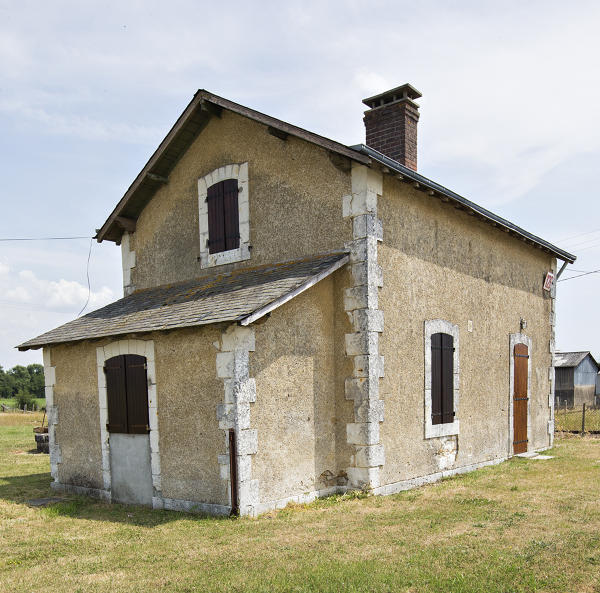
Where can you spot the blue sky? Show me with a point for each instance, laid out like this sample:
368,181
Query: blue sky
509,119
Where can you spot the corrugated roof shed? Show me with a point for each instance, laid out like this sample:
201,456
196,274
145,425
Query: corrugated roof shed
570,359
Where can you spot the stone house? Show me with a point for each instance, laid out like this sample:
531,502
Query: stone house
268,273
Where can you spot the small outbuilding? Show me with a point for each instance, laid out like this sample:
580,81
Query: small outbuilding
575,376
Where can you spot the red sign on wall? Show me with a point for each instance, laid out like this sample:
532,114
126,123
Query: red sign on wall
549,281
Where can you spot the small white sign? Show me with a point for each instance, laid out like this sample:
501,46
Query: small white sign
549,281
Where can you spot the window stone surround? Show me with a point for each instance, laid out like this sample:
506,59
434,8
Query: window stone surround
233,171
431,327
103,353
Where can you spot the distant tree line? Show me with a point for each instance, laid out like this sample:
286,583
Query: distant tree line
22,381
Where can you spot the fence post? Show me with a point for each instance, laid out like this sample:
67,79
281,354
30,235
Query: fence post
583,421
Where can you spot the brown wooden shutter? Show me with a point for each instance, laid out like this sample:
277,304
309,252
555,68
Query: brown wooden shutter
447,378
137,394
114,369
442,378
216,221
436,379
231,214
521,356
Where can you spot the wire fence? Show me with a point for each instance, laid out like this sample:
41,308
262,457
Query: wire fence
584,418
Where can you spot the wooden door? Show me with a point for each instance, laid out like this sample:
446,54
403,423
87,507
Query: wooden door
520,399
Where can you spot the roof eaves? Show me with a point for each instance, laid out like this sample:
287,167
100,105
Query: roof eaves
262,311
436,188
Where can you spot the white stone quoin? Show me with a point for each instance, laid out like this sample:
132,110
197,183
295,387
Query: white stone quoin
361,303
234,413
128,263
52,413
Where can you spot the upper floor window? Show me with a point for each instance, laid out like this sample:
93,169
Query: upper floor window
441,378
224,216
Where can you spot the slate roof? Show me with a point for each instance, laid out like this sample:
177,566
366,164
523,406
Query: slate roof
569,359
227,297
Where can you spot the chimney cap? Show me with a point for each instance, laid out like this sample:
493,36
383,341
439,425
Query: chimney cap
405,92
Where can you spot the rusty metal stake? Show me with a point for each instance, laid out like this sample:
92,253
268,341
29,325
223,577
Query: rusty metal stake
233,478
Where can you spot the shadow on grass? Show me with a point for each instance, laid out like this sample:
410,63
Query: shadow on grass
20,489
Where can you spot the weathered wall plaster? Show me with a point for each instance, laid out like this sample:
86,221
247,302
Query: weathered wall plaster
295,367
440,263
294,203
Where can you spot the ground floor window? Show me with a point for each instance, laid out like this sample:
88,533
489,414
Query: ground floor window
441,378
127,394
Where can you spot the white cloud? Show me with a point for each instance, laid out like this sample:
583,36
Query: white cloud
60,295
30,306
80,126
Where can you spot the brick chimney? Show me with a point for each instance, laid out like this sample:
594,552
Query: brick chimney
391,124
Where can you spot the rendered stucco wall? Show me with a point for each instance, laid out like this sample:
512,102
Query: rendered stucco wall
188,394
439,263
294,366
78,425
294,193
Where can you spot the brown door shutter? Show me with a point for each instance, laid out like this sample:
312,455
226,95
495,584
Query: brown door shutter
137,394
116,394
521,356
216,222
447,373
231,214
436,379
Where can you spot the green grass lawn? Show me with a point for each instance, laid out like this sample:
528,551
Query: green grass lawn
524,525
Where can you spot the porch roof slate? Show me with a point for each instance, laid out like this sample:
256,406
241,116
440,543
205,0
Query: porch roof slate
227,297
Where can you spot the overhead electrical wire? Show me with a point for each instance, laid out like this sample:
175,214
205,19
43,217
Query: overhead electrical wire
584,242
44,238
87,271
565,239
579,276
